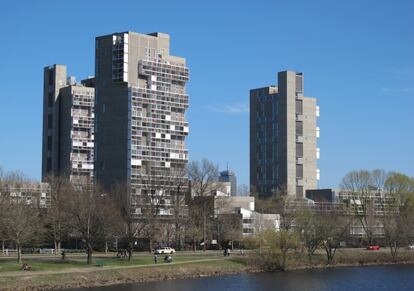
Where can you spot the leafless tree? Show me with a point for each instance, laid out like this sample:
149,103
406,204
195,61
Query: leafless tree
84,213
20,219
309,227
229,228
55,217
358,186
127,228
203,176
178,182
333,229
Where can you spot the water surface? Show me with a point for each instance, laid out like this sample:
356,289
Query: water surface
379,278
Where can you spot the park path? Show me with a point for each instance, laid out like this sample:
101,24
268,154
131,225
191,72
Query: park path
97,269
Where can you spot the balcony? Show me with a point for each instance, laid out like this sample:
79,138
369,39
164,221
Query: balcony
299,117
299,138
299,182
299,160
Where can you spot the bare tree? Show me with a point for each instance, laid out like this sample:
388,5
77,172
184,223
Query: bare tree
308,226
20,219
229,228
333,229
127,227
55,217
178,182
84,213
203,176
358,186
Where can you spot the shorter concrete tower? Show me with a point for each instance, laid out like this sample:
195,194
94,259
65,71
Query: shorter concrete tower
283,137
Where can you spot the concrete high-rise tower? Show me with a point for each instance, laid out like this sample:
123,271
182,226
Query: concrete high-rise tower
68,126
283,137
140,114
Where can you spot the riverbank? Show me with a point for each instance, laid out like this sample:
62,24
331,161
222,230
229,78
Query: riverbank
185,266
112,275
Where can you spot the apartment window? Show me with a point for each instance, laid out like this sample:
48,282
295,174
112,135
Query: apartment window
50,99
299,128
299,83
299,107
299,149
49,165
299,171
50,121
51,77
49,143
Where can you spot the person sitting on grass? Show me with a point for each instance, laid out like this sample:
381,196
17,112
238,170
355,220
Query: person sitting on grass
26,267
168,259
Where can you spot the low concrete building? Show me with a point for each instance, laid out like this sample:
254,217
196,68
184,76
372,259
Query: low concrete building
33,193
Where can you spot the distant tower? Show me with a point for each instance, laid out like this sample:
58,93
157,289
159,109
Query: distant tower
283,137
229,176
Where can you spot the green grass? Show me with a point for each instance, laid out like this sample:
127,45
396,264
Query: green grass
48,263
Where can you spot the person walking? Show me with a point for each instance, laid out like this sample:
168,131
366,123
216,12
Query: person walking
155,258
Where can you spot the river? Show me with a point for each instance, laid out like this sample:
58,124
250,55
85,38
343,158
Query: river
378,278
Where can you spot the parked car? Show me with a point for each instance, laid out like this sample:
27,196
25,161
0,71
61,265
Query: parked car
373,248
411,247
164,250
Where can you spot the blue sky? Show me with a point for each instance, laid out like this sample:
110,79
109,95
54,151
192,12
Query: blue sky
357,58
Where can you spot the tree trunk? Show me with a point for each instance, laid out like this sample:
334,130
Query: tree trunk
150,245
194,245
106,247
2,247
130,249
204,233
89,253
19,254
284,253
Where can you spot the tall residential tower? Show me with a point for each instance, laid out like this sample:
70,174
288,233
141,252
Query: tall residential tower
140,106
283,137
68,126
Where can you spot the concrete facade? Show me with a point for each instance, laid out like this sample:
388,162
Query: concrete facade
283,137
68,127
140,114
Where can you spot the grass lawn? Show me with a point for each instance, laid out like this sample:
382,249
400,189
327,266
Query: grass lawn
55,263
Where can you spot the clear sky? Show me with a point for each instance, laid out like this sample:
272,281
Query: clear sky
357,58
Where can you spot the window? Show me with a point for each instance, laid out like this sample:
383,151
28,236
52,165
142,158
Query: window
299,107
299,171
299,83
50,99
51,77
299,149
50,121
49,143
299,128
49,165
